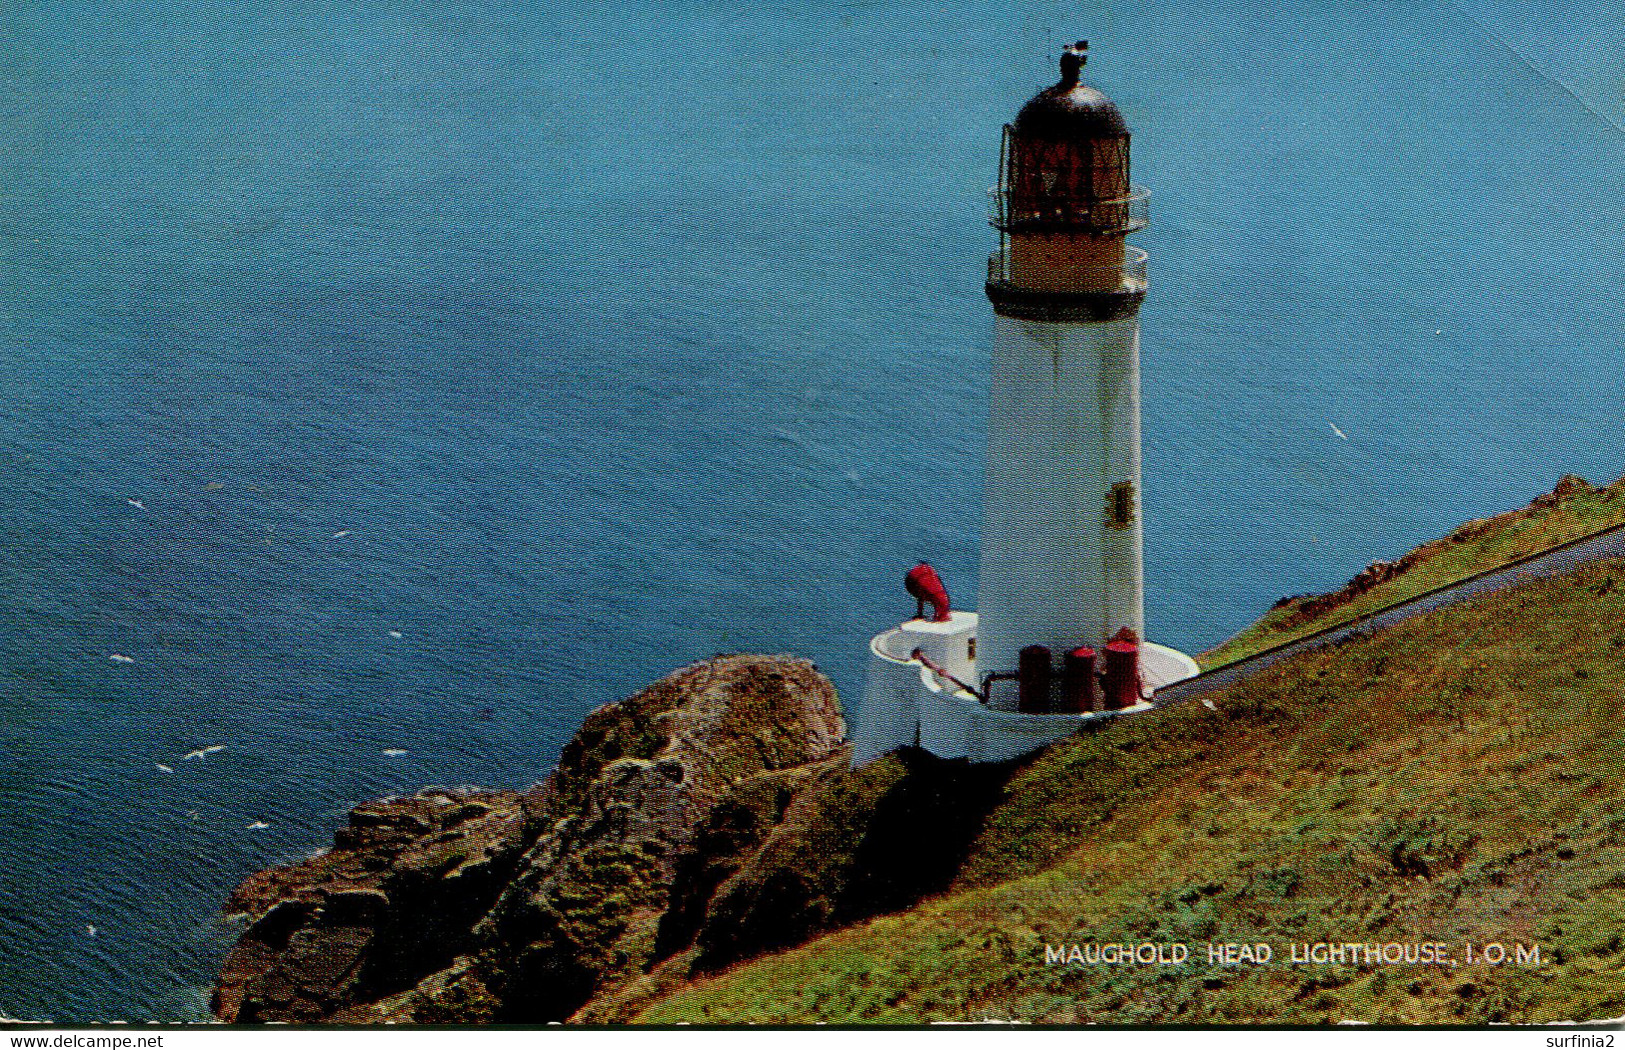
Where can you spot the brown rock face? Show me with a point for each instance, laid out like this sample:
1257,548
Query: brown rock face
520,907
394,900
634,785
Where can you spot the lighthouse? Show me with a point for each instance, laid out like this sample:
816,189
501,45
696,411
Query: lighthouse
1061,541
1058,636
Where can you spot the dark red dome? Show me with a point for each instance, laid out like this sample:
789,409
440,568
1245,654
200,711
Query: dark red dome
1070,109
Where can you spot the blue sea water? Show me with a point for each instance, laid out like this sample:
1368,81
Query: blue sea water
612,336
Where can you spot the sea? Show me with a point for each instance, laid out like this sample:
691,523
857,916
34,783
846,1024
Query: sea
384,386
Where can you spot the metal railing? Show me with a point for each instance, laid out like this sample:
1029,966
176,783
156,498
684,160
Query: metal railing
1127,276
942,673
1008,210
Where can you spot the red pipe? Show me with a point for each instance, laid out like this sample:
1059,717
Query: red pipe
942,672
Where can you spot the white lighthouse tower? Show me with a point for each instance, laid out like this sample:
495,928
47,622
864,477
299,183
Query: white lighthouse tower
1058,636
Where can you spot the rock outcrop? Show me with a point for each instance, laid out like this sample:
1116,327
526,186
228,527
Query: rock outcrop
521,907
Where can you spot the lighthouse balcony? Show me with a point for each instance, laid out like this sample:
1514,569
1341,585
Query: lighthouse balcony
1023,212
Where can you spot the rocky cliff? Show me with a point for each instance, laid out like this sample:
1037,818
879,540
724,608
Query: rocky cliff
478,906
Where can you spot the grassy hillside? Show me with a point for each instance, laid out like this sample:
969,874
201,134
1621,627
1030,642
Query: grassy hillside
1455,779
1570,511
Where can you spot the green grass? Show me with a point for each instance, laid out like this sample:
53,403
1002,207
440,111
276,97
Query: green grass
1473,548
1458,778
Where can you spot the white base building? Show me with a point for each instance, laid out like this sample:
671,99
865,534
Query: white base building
905,703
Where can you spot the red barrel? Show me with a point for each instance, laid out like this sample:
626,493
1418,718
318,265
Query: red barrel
1034,679
1122,682
1079,690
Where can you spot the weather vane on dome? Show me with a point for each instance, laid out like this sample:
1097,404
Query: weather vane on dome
1073,58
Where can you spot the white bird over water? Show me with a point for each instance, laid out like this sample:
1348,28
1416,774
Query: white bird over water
394,752
1339,433
137,504
120,658
396,634
90,929
341,534
164,768
258,825
203,751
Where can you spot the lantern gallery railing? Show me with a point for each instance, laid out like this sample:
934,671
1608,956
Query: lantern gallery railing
1014,210
1127,276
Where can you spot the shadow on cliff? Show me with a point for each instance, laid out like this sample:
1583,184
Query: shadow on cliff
861,843
775,866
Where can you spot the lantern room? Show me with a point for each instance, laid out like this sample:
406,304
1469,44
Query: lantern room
1064,202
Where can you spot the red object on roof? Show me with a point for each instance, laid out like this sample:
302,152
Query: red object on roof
925,585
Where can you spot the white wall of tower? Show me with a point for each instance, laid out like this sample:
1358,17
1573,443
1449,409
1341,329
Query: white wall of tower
1065,429
1122,548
